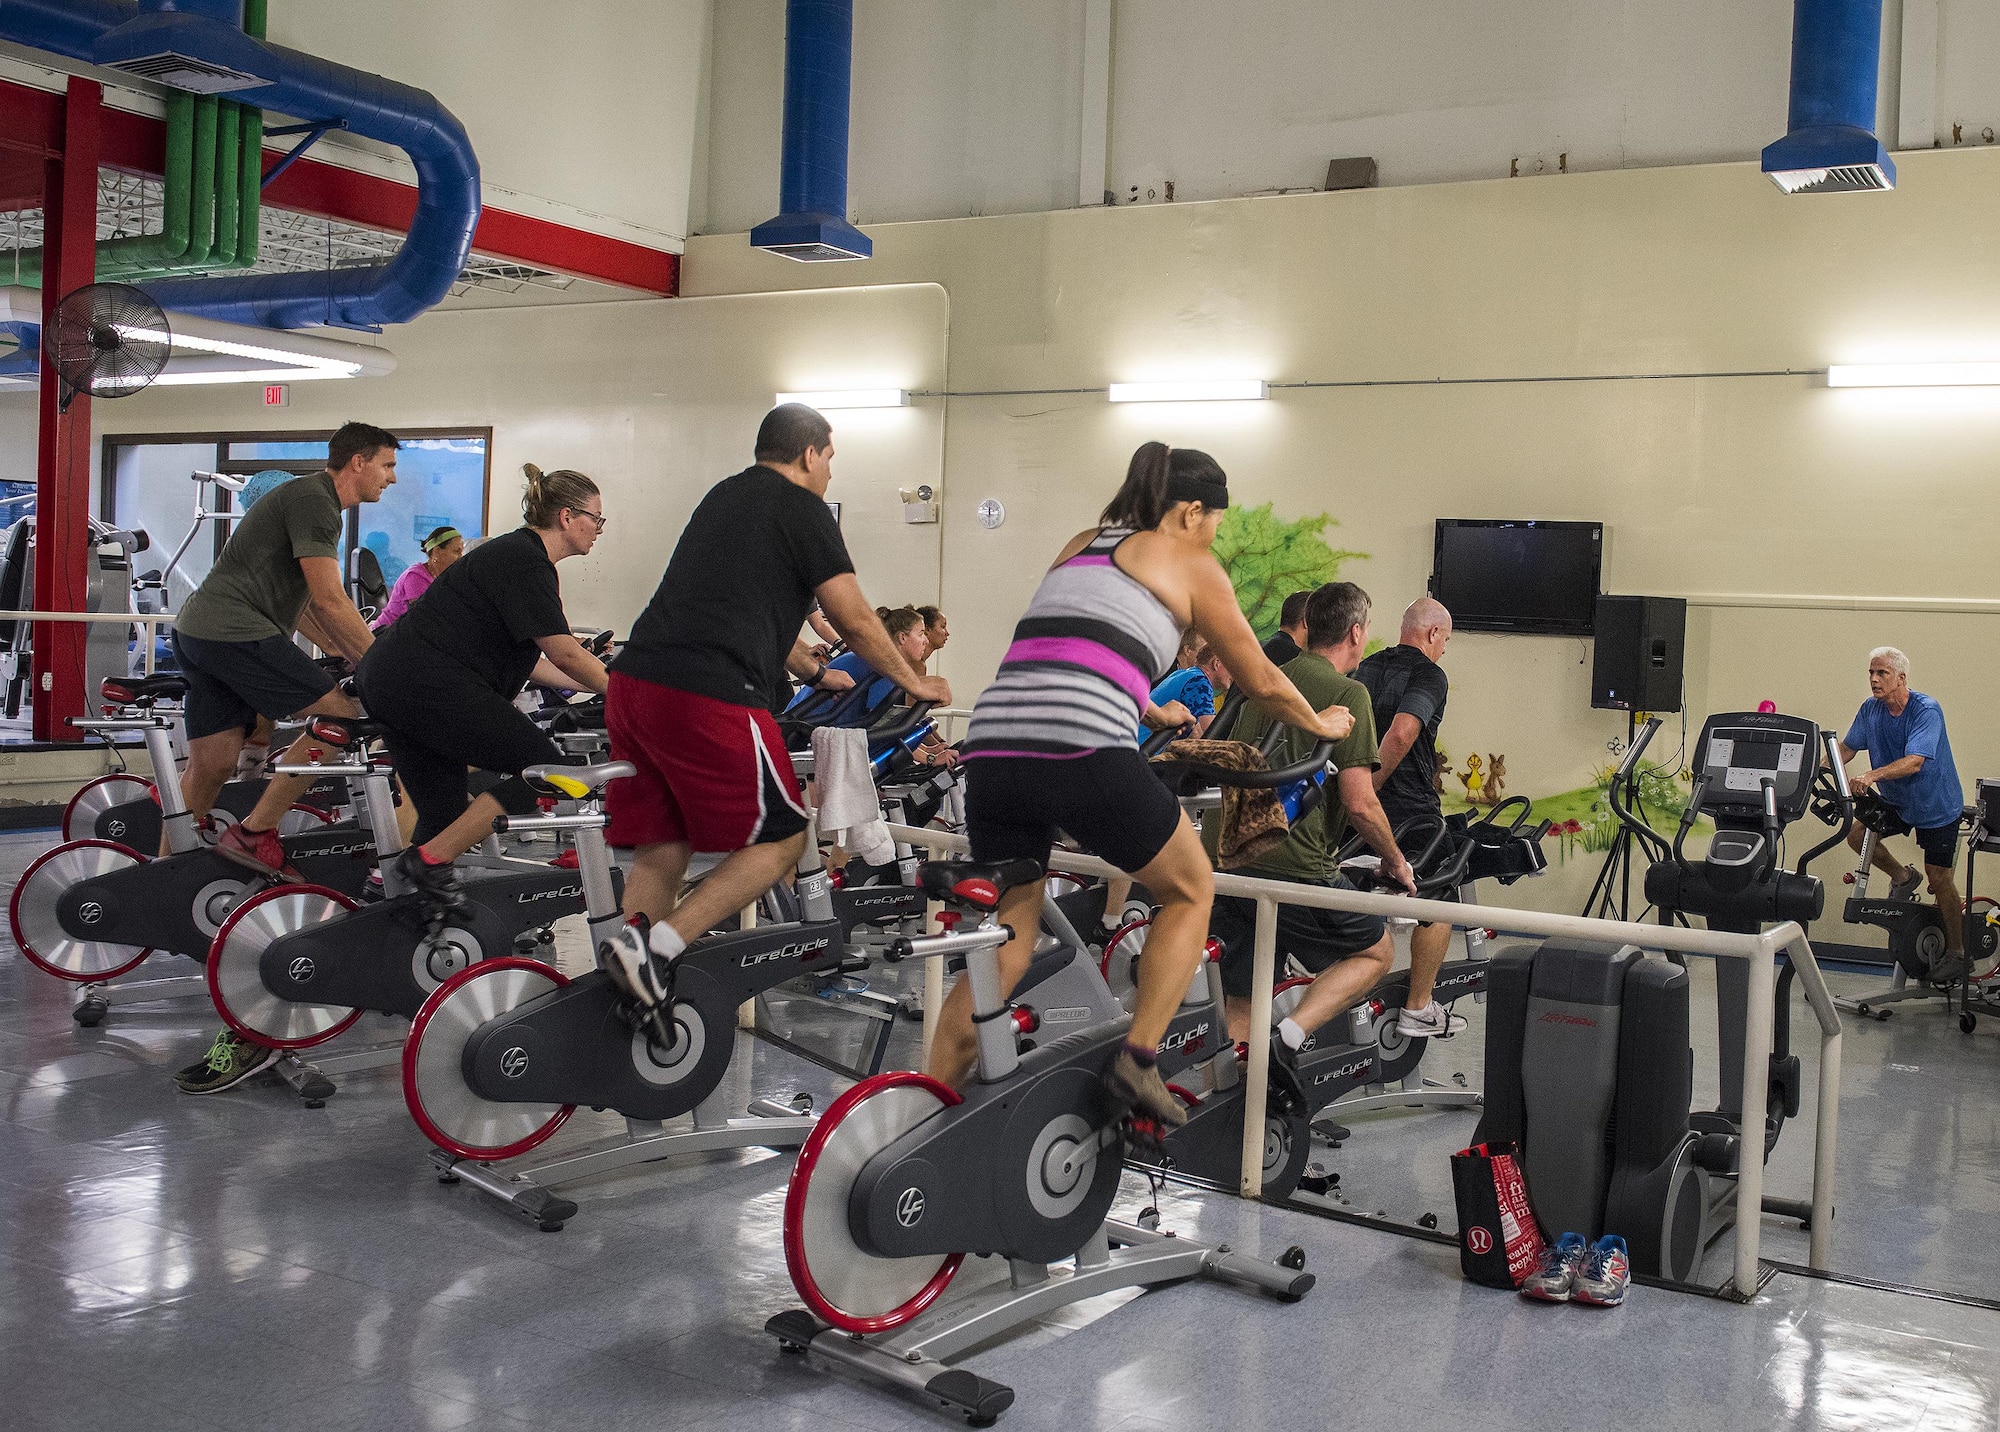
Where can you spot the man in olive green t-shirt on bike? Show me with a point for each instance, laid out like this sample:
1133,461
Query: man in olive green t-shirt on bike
1347,952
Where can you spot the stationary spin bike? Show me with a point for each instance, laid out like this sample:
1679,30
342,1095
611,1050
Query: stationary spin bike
504,1052
905,1176
1915,927
90,910
296,966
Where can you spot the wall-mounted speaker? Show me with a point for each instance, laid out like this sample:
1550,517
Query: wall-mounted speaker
1637,664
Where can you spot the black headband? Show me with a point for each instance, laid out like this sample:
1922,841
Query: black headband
1212,495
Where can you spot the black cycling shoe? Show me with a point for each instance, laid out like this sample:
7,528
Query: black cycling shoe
438,884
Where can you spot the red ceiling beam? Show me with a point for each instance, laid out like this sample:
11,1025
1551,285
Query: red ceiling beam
138,144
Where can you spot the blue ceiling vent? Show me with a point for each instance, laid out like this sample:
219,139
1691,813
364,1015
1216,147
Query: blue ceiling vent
812,223
1831,147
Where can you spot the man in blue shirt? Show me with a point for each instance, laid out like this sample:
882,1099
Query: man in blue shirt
1195,685
1911,770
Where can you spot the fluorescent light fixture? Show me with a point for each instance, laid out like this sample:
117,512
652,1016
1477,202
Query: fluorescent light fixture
1214,390
830,398
1912,375
329,367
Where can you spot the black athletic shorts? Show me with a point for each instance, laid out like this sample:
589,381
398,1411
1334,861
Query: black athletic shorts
438,728
1939,843
1109,802
1315,938
232,683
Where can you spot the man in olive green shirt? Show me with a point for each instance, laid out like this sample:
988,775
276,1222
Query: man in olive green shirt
279,573
1347,952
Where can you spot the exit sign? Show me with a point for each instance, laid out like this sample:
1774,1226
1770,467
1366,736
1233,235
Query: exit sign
277,395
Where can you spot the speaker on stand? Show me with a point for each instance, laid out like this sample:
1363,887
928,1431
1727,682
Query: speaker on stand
1636,666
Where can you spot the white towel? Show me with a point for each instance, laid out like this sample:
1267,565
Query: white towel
850,812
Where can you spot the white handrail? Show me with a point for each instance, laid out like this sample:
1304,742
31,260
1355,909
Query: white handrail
150,619
1760,950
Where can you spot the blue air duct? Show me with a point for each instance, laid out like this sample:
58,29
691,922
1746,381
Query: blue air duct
1831,147
812,181
26,360
194,44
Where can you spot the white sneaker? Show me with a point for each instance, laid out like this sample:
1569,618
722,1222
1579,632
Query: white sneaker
1906,889
1433,1021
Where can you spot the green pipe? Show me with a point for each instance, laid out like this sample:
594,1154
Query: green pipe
250,175
213,201
250,169
228,186
148,250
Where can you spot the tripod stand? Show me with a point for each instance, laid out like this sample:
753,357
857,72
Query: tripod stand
1611,896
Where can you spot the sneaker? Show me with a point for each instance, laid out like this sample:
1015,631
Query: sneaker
1141,1087
229,1061
1555,1274
1906,888
1947,969
438,884
260,851
1433,1021
626,958
1605,1274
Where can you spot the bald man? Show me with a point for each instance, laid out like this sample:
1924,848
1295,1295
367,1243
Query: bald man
1408,689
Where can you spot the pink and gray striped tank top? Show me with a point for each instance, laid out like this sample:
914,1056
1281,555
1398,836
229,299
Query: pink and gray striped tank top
1084,659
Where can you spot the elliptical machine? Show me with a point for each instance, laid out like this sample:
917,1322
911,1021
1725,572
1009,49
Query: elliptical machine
904,1177
1588,1064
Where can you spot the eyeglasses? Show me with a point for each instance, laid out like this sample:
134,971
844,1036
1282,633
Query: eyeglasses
596,517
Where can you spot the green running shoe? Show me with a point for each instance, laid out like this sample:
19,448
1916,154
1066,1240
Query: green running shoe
229,1061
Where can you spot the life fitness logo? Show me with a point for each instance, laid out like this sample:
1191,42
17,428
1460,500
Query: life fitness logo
301,970
1479,1240
514,1062
90,912
910,1207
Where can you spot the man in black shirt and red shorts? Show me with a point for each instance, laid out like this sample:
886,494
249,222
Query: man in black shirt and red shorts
1408,689
688,693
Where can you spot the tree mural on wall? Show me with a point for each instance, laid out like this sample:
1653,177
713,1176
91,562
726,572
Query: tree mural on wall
1268,559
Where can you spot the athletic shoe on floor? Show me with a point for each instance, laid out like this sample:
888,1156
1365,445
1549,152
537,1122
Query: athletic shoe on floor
1433,1021
1906,888
1555,1274
438,884
1141,1087
1605,1274
229,1061
626,958
260,851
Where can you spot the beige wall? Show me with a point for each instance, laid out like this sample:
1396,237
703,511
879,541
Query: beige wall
657,400
1806,524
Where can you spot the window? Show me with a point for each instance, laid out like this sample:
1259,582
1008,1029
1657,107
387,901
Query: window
441,480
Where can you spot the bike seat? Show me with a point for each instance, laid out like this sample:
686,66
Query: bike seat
123,690
576,782
344,731
976,885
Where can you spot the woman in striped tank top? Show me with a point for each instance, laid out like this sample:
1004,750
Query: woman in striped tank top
1050,744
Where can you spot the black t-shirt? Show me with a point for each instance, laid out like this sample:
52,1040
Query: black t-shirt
737,590
1403,681
1281,648
483,614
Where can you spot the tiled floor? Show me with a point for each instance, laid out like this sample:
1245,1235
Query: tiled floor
173,1263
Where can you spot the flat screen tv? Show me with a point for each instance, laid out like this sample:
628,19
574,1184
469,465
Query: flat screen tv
1536,578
